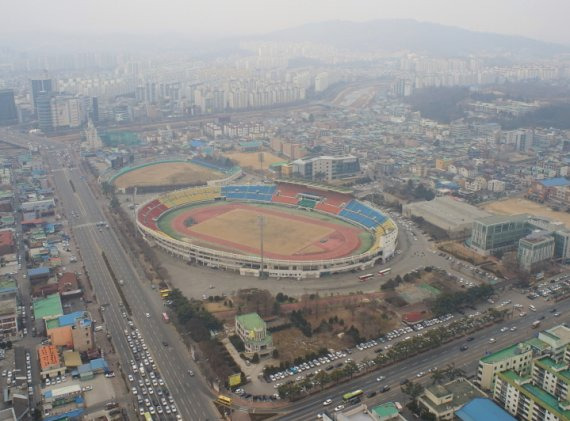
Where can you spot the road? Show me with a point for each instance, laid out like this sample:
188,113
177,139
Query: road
440,357
191,395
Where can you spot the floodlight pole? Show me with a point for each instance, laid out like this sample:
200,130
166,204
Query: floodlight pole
261,221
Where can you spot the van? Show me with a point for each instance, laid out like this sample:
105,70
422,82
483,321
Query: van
98,328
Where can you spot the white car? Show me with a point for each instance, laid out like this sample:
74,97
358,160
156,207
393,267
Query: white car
379,379
327,402
147,315
131,378
339,408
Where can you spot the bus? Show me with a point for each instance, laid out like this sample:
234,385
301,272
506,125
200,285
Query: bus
224,400
165,317
351,395
147,416
165,293
384,271
365,277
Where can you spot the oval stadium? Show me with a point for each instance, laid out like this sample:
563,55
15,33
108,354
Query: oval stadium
290,229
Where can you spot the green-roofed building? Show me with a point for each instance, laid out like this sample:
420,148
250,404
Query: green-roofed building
253,332
48,308
8,288
524,398
386,411
516,357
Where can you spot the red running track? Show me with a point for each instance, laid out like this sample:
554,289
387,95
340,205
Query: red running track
342,242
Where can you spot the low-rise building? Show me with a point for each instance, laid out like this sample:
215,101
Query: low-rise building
253,332
50,364
443,400
8,317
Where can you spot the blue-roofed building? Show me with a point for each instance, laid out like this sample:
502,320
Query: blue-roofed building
483,409
547,187
38,274
554,182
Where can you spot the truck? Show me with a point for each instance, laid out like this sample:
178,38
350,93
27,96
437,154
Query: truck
535,324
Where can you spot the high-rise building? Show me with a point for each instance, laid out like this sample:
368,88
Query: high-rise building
8,112
41,86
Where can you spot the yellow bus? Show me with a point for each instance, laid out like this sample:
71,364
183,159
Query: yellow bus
147,416
165,293
224,400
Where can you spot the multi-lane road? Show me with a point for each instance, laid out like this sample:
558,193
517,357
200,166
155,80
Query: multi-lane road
440,357
191,394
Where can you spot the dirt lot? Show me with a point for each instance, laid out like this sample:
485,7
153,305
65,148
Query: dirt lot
251,159
167,173
291,343
515,206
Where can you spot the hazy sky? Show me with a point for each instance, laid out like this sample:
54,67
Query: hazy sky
541,19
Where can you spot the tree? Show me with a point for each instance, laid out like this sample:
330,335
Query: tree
350,368
437,376
115,203
322,378
255,358
413,390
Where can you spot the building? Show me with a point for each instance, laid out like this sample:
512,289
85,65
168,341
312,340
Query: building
453,216
253,332
535,248
326,168
498,233
546,188
552,342
515,357
61,111
6,242
443,400
82,334
526,397
40,87
8,317
48,308
8,111
482,409
496,186
389,411
50,365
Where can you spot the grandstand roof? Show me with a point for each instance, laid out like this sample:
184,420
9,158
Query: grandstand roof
327,187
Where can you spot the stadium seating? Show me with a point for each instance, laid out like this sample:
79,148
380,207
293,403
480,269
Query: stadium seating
362,214
259,193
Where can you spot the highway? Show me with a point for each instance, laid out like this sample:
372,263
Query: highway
191,394
449,353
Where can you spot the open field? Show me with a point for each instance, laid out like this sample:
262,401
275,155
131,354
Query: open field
251,159
516,206
287,235
161,174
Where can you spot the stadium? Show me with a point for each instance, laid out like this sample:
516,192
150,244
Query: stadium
287,229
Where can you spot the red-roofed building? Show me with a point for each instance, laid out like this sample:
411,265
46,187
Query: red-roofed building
68,285
6,242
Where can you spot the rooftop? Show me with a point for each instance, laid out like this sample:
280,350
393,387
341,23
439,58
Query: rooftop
387,409
555,182
501,219
8,306
546,399
447,211
559,333
251,321
7,285
505,353
483,409
463,391
48,356
48,307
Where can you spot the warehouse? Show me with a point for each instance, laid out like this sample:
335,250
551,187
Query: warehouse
447,213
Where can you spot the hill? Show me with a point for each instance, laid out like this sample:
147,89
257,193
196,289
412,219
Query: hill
406,34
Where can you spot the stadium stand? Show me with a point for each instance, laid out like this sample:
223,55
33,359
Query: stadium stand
362,214
249,192
307,203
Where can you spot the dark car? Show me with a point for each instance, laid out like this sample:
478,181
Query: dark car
371,394
405,381
384,389
471,338
463,348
